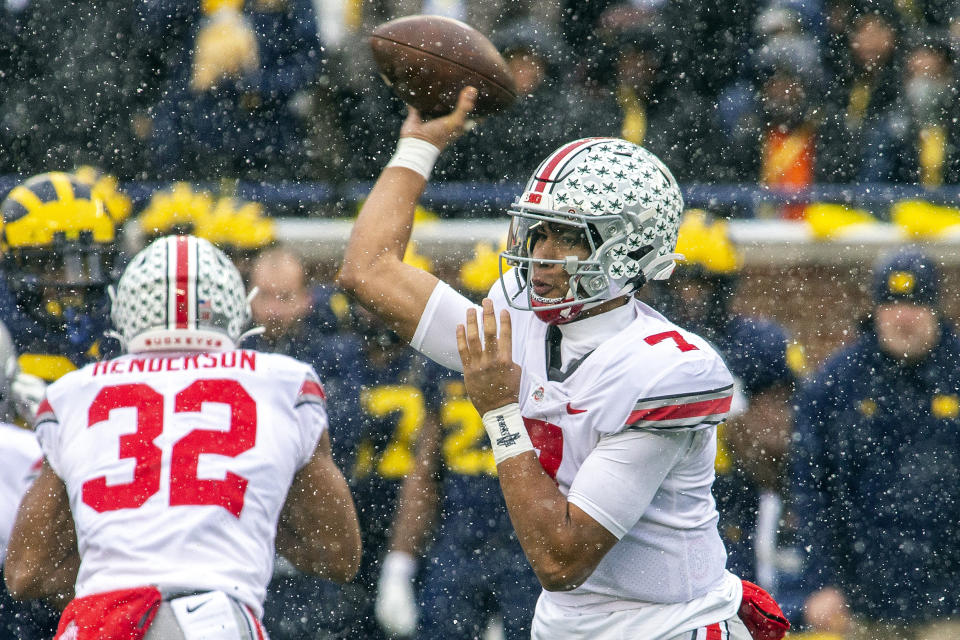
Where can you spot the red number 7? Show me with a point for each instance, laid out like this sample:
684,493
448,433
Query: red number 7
682,344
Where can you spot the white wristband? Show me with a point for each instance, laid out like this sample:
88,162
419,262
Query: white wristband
507,433
415,154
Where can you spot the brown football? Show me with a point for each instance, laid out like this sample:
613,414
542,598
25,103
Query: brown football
427,60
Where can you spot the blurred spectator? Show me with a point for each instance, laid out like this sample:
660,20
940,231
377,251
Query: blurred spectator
475,571
917,142
923,14
640,98
546,113
774,141
876,468
369,115
231,106
298,323
753,443
860,96
711,40
302,323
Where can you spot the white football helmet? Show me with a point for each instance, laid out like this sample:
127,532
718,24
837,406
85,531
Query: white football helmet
181,293
628,206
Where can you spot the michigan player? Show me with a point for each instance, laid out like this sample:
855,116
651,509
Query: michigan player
766,364
474,574
391,392
59,249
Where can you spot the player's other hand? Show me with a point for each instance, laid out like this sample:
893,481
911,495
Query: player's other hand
396,605
27,391
443,130
490,375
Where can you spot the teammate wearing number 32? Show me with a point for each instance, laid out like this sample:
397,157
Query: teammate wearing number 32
601,413
179,465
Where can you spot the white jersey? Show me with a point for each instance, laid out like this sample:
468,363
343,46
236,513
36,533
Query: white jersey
177,465
22,459
628,431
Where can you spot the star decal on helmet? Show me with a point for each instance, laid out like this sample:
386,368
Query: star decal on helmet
626,199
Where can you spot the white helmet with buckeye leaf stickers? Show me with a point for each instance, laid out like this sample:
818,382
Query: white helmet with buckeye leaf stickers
627,205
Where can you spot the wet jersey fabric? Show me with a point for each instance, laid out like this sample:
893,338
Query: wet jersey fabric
22,459
876,475
653,379
177,465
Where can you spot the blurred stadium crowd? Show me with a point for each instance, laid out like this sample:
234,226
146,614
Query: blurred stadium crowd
782,93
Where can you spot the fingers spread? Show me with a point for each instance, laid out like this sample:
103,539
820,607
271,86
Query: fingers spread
506,336
473,333
466,100
465,355
489,326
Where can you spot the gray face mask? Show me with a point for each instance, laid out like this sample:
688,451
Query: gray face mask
926,97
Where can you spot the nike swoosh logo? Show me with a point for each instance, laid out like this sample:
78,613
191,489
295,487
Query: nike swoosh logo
195,607
573,411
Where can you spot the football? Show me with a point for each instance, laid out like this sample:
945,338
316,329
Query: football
427,60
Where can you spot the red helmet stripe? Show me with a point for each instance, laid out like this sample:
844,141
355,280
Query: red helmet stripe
553,162
182,281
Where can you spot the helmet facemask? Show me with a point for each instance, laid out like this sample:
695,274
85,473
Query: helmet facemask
626,204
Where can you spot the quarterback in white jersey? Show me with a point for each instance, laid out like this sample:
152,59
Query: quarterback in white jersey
179,464
601,413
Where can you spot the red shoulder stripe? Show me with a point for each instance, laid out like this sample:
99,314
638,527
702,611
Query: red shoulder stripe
678,411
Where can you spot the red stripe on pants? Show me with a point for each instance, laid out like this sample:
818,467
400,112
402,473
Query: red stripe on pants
714,632
256,623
